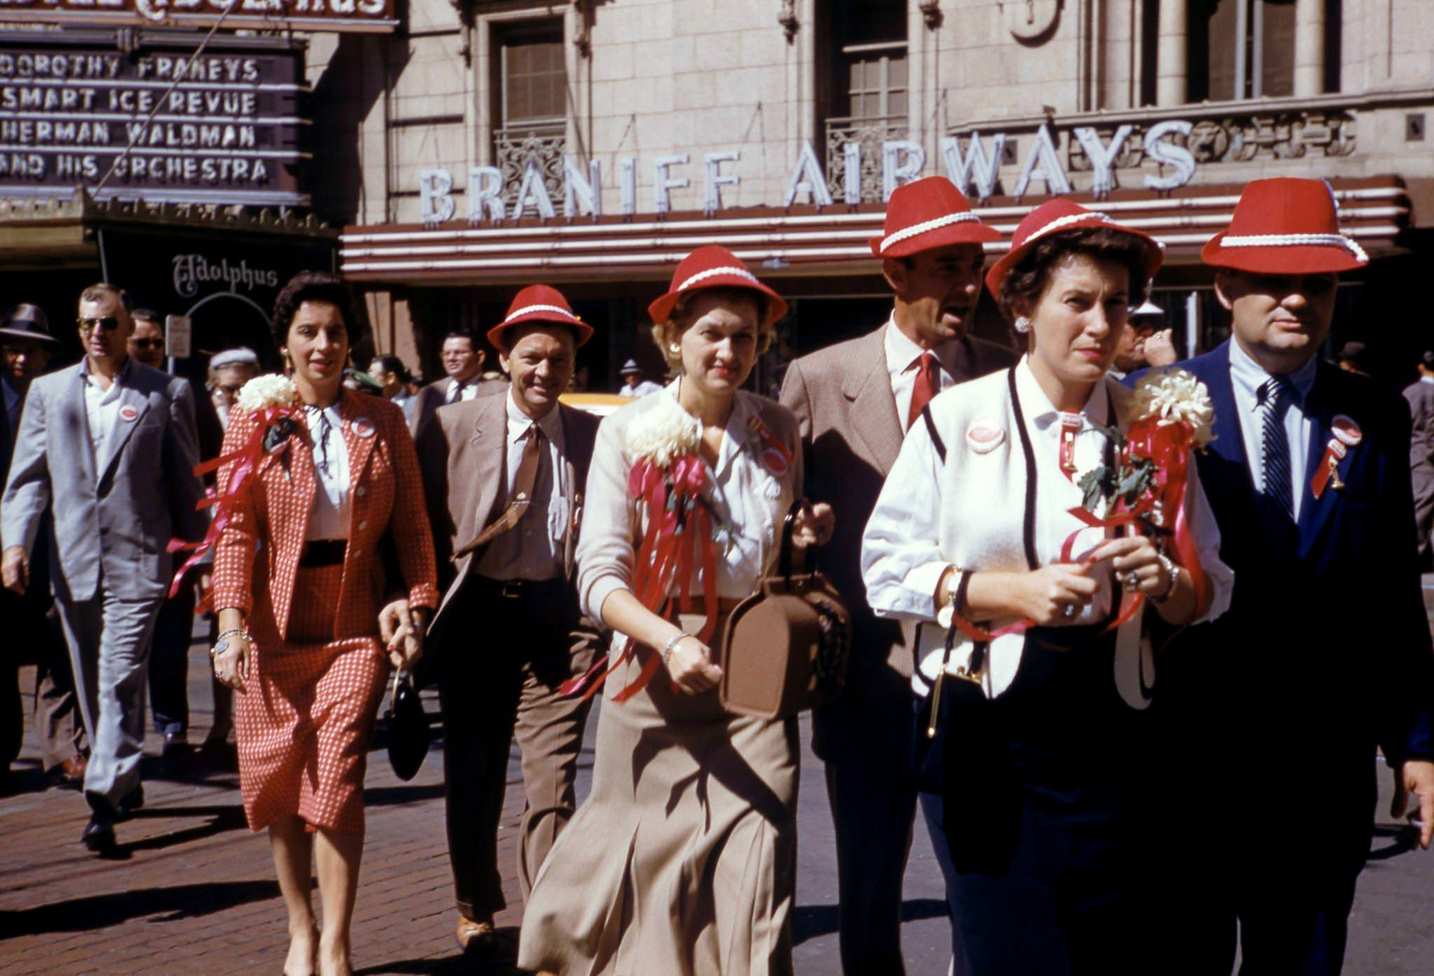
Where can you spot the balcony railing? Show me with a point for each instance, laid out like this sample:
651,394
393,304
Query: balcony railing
543,143
869,134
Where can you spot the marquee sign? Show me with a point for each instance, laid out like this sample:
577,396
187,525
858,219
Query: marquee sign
226,127
340,16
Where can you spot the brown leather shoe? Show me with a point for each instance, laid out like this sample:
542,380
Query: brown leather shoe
477,934
71,773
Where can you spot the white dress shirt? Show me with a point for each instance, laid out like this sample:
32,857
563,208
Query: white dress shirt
462,389
101,409
1246,377
329,513
969,511
750,500
902,358
532,549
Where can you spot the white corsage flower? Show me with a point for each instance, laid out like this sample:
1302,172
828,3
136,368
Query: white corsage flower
266,392
1173,396
663,433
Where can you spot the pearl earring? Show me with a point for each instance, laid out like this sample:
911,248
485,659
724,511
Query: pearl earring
1022,324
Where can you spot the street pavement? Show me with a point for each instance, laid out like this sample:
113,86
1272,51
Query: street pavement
192,891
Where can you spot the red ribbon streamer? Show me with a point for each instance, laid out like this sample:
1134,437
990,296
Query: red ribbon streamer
677,540
236,496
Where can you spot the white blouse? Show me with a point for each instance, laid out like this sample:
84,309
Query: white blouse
969,511
329,512
750,501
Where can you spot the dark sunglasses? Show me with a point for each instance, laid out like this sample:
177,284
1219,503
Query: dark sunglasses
109,323
147,343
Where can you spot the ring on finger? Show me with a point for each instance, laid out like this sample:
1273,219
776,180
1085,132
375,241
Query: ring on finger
1068,611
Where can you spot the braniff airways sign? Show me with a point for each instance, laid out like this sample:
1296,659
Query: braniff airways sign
971,163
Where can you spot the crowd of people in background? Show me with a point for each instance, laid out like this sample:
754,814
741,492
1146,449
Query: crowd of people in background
363,521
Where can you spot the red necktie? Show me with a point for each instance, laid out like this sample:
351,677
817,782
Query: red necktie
1070,427
928,384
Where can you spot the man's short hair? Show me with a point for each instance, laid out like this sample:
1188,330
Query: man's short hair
461,334
101,290
148,315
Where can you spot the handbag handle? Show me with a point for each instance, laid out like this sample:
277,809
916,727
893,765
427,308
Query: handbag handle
784,558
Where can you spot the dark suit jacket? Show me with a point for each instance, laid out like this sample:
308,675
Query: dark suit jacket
464,459
435,395
851,435
1325,650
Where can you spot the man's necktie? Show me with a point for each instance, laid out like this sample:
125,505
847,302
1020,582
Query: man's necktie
455,392
1274,398
522,493
928,384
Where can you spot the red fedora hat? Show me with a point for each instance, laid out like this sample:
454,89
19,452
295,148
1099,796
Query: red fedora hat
540,303
713,266
1285,226
1060,216
926,214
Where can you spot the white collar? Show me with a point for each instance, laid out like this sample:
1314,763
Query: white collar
1250,375
518,422
1038,408
901,352
1426,379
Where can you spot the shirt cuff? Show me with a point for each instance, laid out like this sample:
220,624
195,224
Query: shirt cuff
916,596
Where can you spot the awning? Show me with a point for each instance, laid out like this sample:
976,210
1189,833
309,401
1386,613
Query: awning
795,242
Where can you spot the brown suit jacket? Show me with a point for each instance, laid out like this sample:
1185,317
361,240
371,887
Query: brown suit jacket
851,435
435,395
464,460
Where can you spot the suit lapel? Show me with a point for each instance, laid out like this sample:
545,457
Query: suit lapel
358,443
873,408
1229,440
1315,512
74,416
137,405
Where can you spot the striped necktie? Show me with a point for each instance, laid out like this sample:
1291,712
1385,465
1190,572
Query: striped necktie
1274,398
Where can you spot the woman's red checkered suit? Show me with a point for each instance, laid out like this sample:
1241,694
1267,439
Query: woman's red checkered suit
317,670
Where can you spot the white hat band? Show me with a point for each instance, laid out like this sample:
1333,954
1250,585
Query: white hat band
526,309
714,272
1295,240
934,223
1063,222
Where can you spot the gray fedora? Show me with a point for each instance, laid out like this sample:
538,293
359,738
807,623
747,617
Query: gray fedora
26,321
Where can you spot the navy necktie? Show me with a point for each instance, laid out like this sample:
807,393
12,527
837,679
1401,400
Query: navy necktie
1274,396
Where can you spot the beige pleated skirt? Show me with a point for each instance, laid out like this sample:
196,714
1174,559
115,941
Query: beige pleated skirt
682,861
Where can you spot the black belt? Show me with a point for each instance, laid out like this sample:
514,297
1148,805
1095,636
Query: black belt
518,589
323,552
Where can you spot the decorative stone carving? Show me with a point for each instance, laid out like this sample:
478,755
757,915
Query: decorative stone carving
869,134
543,144
788,19
1242,138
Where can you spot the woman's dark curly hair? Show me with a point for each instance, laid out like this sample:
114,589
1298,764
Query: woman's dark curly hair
1026,282
316,286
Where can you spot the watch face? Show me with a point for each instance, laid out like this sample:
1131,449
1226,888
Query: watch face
221,647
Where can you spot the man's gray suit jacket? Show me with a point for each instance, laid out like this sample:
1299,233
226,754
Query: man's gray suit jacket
117,507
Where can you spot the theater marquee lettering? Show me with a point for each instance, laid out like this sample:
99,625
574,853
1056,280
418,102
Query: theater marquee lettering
225,127
339,16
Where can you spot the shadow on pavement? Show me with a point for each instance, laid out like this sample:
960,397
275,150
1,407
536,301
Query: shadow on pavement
115,908
495,960
387,796
1402,839
813,921
222,818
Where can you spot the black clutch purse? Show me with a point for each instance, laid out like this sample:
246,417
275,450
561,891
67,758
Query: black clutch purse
408,734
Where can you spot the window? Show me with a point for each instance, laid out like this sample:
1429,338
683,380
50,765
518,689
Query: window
862,84
876,81
1241,49
533,83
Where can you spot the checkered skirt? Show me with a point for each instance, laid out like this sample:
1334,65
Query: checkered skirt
303,725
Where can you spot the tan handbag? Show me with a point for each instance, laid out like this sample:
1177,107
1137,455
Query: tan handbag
786,646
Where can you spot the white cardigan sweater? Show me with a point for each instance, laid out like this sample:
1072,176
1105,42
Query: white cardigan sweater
968,512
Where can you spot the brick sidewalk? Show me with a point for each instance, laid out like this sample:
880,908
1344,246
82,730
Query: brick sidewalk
192,890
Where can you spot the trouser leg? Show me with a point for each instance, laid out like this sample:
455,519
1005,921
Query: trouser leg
117,696
59,728
12,714
549,730
169,663
873,809
479,699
